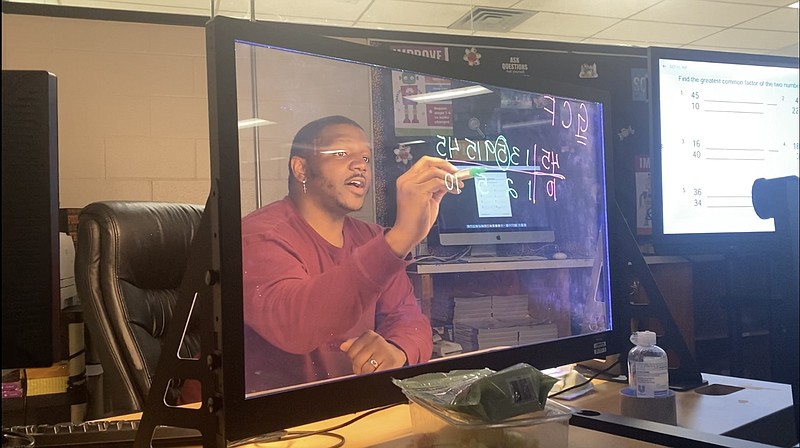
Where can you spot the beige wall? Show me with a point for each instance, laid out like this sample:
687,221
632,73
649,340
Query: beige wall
133,109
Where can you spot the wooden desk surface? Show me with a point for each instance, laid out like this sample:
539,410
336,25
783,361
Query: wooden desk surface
715,414
391,428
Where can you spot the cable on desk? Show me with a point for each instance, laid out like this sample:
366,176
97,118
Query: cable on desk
13,439
585,382
614,378
288,435
448,259
283,436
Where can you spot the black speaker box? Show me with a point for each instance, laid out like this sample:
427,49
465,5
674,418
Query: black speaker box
31,268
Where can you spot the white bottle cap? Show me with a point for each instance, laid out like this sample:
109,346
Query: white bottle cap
644,338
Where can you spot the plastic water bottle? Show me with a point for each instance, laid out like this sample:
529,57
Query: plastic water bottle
648,373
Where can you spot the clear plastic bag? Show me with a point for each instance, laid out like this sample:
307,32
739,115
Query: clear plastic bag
488,395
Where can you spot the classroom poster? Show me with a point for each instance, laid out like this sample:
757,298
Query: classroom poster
422,117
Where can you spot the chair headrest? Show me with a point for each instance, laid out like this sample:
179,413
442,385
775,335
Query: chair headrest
147,243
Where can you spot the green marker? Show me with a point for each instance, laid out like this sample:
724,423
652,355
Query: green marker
469,173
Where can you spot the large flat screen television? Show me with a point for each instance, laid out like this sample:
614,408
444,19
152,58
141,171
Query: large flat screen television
719,122
267,82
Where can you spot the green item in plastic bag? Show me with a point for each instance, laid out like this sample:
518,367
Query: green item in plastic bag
516,390
485,394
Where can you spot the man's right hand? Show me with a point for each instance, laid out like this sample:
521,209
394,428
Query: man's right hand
419,192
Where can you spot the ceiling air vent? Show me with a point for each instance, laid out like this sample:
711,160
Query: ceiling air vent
491,19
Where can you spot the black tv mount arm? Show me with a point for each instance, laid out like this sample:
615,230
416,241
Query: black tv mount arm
629,264
194,303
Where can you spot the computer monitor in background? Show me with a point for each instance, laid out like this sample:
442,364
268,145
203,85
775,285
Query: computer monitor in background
484,216
31,264
534,152
719,122
265,83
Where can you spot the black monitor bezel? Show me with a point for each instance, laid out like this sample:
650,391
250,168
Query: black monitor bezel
700,243
250,417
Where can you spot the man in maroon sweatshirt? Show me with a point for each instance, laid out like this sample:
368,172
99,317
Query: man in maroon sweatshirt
325,294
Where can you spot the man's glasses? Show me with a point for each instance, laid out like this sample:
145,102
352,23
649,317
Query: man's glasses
342,154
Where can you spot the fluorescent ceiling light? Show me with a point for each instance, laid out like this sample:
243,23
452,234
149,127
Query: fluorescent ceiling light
412,142
253,122
795,5
523,124
444,95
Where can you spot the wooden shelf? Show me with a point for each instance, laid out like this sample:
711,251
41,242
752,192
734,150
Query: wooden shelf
516,265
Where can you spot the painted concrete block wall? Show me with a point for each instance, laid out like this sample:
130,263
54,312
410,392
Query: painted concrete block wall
133,109
133,114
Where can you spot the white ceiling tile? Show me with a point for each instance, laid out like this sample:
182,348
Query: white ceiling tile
762,2
235,6
473,3
564,24
304,20
758,26
784,19
319,9
699,12
624,43
412,28
544,37
713,48
649,32
189,8
603,8
790,50
749,39
405,12
279,12
504,35
489,33
136,5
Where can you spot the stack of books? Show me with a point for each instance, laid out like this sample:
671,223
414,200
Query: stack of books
483,322
477,335
510,308
456,309
537,333
492,333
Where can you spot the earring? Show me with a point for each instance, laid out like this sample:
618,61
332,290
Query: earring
305,189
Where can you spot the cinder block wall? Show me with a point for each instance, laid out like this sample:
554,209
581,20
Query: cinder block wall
133,109
133,113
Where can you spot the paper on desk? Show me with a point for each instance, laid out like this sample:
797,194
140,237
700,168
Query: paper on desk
570,379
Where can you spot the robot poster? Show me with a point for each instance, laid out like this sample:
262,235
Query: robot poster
414,114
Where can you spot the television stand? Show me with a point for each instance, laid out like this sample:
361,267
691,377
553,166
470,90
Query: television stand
502,259
487,251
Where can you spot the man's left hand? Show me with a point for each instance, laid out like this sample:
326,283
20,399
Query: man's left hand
370,352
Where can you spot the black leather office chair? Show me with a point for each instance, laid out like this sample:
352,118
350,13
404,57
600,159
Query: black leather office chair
129,263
